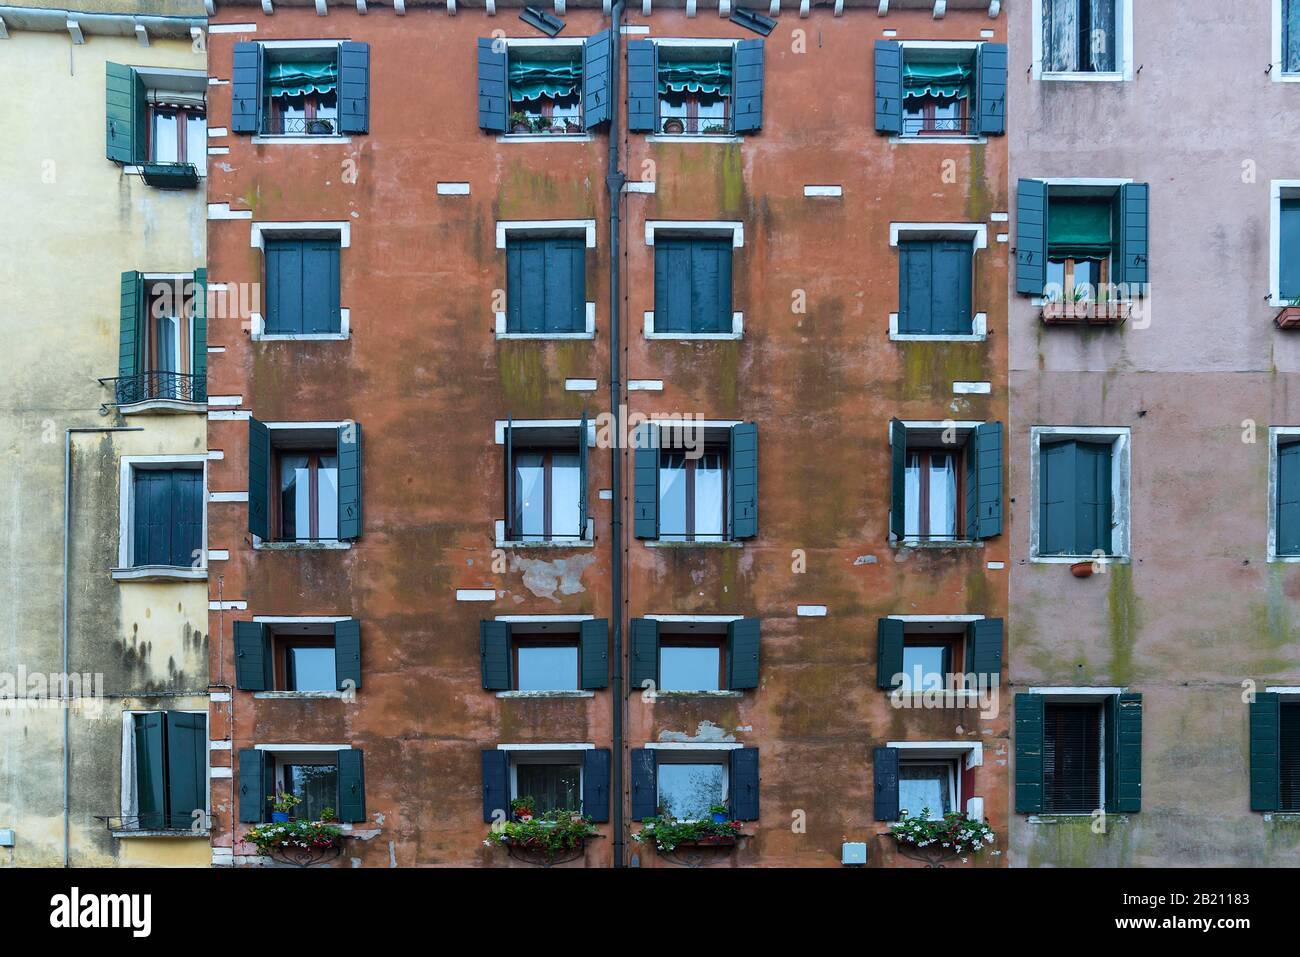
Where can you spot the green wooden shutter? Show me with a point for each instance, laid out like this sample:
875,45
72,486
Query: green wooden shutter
187,517
151,770
1031,236
898,477
1029,753
642,87
347,653
597,78
349,448
645,790
645,481
747,77
1124,753
1134,227
254,786
984,648
259,479
744,480
915,272
889,651
494,654
991,100
130,340
1288,499
710,286
512,533
582,477
125,114
674,279
285,284
644,646
593,638
953,276
889,86
1265,752
1289,243
986,444
1056,499
187,768
744,639
595,784
199,336
246,88
496,784
253,662
884,763
351,766
742,784
493,85
354,87
1092,505
320,311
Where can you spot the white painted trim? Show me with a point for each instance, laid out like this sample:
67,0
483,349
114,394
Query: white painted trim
737,330
1078,691
972,388
1121,482
304,425
588,333
693,138
1284,689
978,231
301,619
1277,190
1123,49
523,695
231,28
227,496
938,619
257,331
811,611
687,227
566,746
476,594
1275,71
234,415
1085,181
695,42
973,750
126,505
301,44
223,211
499,428
960,426
694,745
219,745
639,186
823,190
543,619
558,541
695,619
544,138
453,189
218,555
581,385
342,229
283,139
576,227
1274,433
980,325
237,604
220,773
645,385
303,747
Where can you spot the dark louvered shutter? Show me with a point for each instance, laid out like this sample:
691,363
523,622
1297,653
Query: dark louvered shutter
253,671
354,87
747,72
991,99
187,768
151,490
1071,758
595,784
349,448
743,784
1029,753
347,653
130,330
124,114
151,770
984,649
496,785
259,479
645,794
597,78
593,638
583,470
494,654
1133,238
986,444
1056,499
645,481
642,93
285,294
744,639
1031,236
254,788
1289,759
744,480
644,661
889,651
246,88
186,527
889,86
493,83
1265,751
897,477
1124,757
351,767
884,762
199,336
1092,498
320,301
1288,499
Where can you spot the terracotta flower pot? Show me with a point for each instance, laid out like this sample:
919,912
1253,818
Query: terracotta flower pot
1081,569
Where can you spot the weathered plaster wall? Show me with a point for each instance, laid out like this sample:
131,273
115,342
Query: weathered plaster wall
1199,611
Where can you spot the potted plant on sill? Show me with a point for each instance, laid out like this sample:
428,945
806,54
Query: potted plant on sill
1289,317
543,124
300,842
282,805
674,125
545,838
719,813
523,809
519,123
713,129
955,836
667,833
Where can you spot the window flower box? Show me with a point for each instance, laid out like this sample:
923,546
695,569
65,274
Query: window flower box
1110,312
667,834
170,175
934,842
1289,317
546,839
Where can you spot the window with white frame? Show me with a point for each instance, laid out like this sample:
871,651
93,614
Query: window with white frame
1286,40
693,287
161,517
1083,39
545,481
545,288
302,280
936,280
164,771
926,778
552,780
691,783
1079,490
1284,494
1284,250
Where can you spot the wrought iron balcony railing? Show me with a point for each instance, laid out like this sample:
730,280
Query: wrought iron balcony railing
300,126
146,386
695,126
179,825
938,126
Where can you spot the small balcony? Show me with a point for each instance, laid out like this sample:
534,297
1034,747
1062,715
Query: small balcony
925,126
274,125
158,392
170,175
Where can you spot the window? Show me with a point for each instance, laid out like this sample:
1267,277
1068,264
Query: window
308,494
688,663
686,782
1079,246
546,483
935,283
1289,758
1071,758
178,133
1284,251
302,92
299,88
1284,503
167,757
695,87
1286,39
156,121
947,481
553,787
929,786
1275,751
693,284
302,286
690,784
930,777
546,88
933,509
314,655
304,482
1079,478
167,523
1289,238
694,90
323,777
162,342
696,483
937,92
1080,36
935,89
917,653
695,653
546,288
546,663
558,777
927,662
543,654
692,496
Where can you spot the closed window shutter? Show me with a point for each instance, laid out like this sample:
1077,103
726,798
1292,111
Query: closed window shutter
884,762
1031,237
1288,499
347,653
744,480
351,766
889,86
494,654
1093,499
645,793
674,279
246,88
593,638
991,101
1265,751
1289,246
545,285
259,479
125,114
1124,758
744,640
711,290
1057,497
187,768
493,85
199,336
889,651
645,481
319,282
354,87
987,446
496,785
186,527
253,785
644,664
747,59
595,784
151,770
1029,753
583,469
1133,216
984,648
285,288
898,477
914,296
742,785
253,662
597,79
570,305
130,339
152,507
642,94
349,449
953,275
1075,493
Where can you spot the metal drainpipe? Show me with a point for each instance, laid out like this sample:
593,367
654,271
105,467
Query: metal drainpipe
614,180
67,514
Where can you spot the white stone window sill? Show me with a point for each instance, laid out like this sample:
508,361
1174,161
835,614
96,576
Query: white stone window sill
184,835
163,407
261,546
1084,77
301,337
553,543
950,140
659,543
544,138
693,138
546,335
695,336
979,331
160,573
725,693
1061,818
1284,559
278,140
928,544
301,695
546,694
1076,559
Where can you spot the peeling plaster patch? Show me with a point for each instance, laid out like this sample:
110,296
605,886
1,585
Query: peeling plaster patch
544,578
705,732
865,560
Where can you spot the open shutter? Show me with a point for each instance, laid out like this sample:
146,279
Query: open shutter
986,446
593,637
747,74
991,101
889,86
253,786
889,651
252,657
744,638
644,665
897,477
124,114
130,331
744,480
984,648
151,770
1029,753
1288,499
642,95
645,793
1265,752
259,479
494,654
1133,224
884,762
493,83
349,446
743,784
351,766
187,768
511,533
347,653
597,78
645,481
1031,236
246,88
496,785
1124,760
199,336
582,477
354,87
595,784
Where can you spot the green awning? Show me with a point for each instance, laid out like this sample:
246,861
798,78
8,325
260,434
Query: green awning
296,79
1078,225
704,76
530,80
936,79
